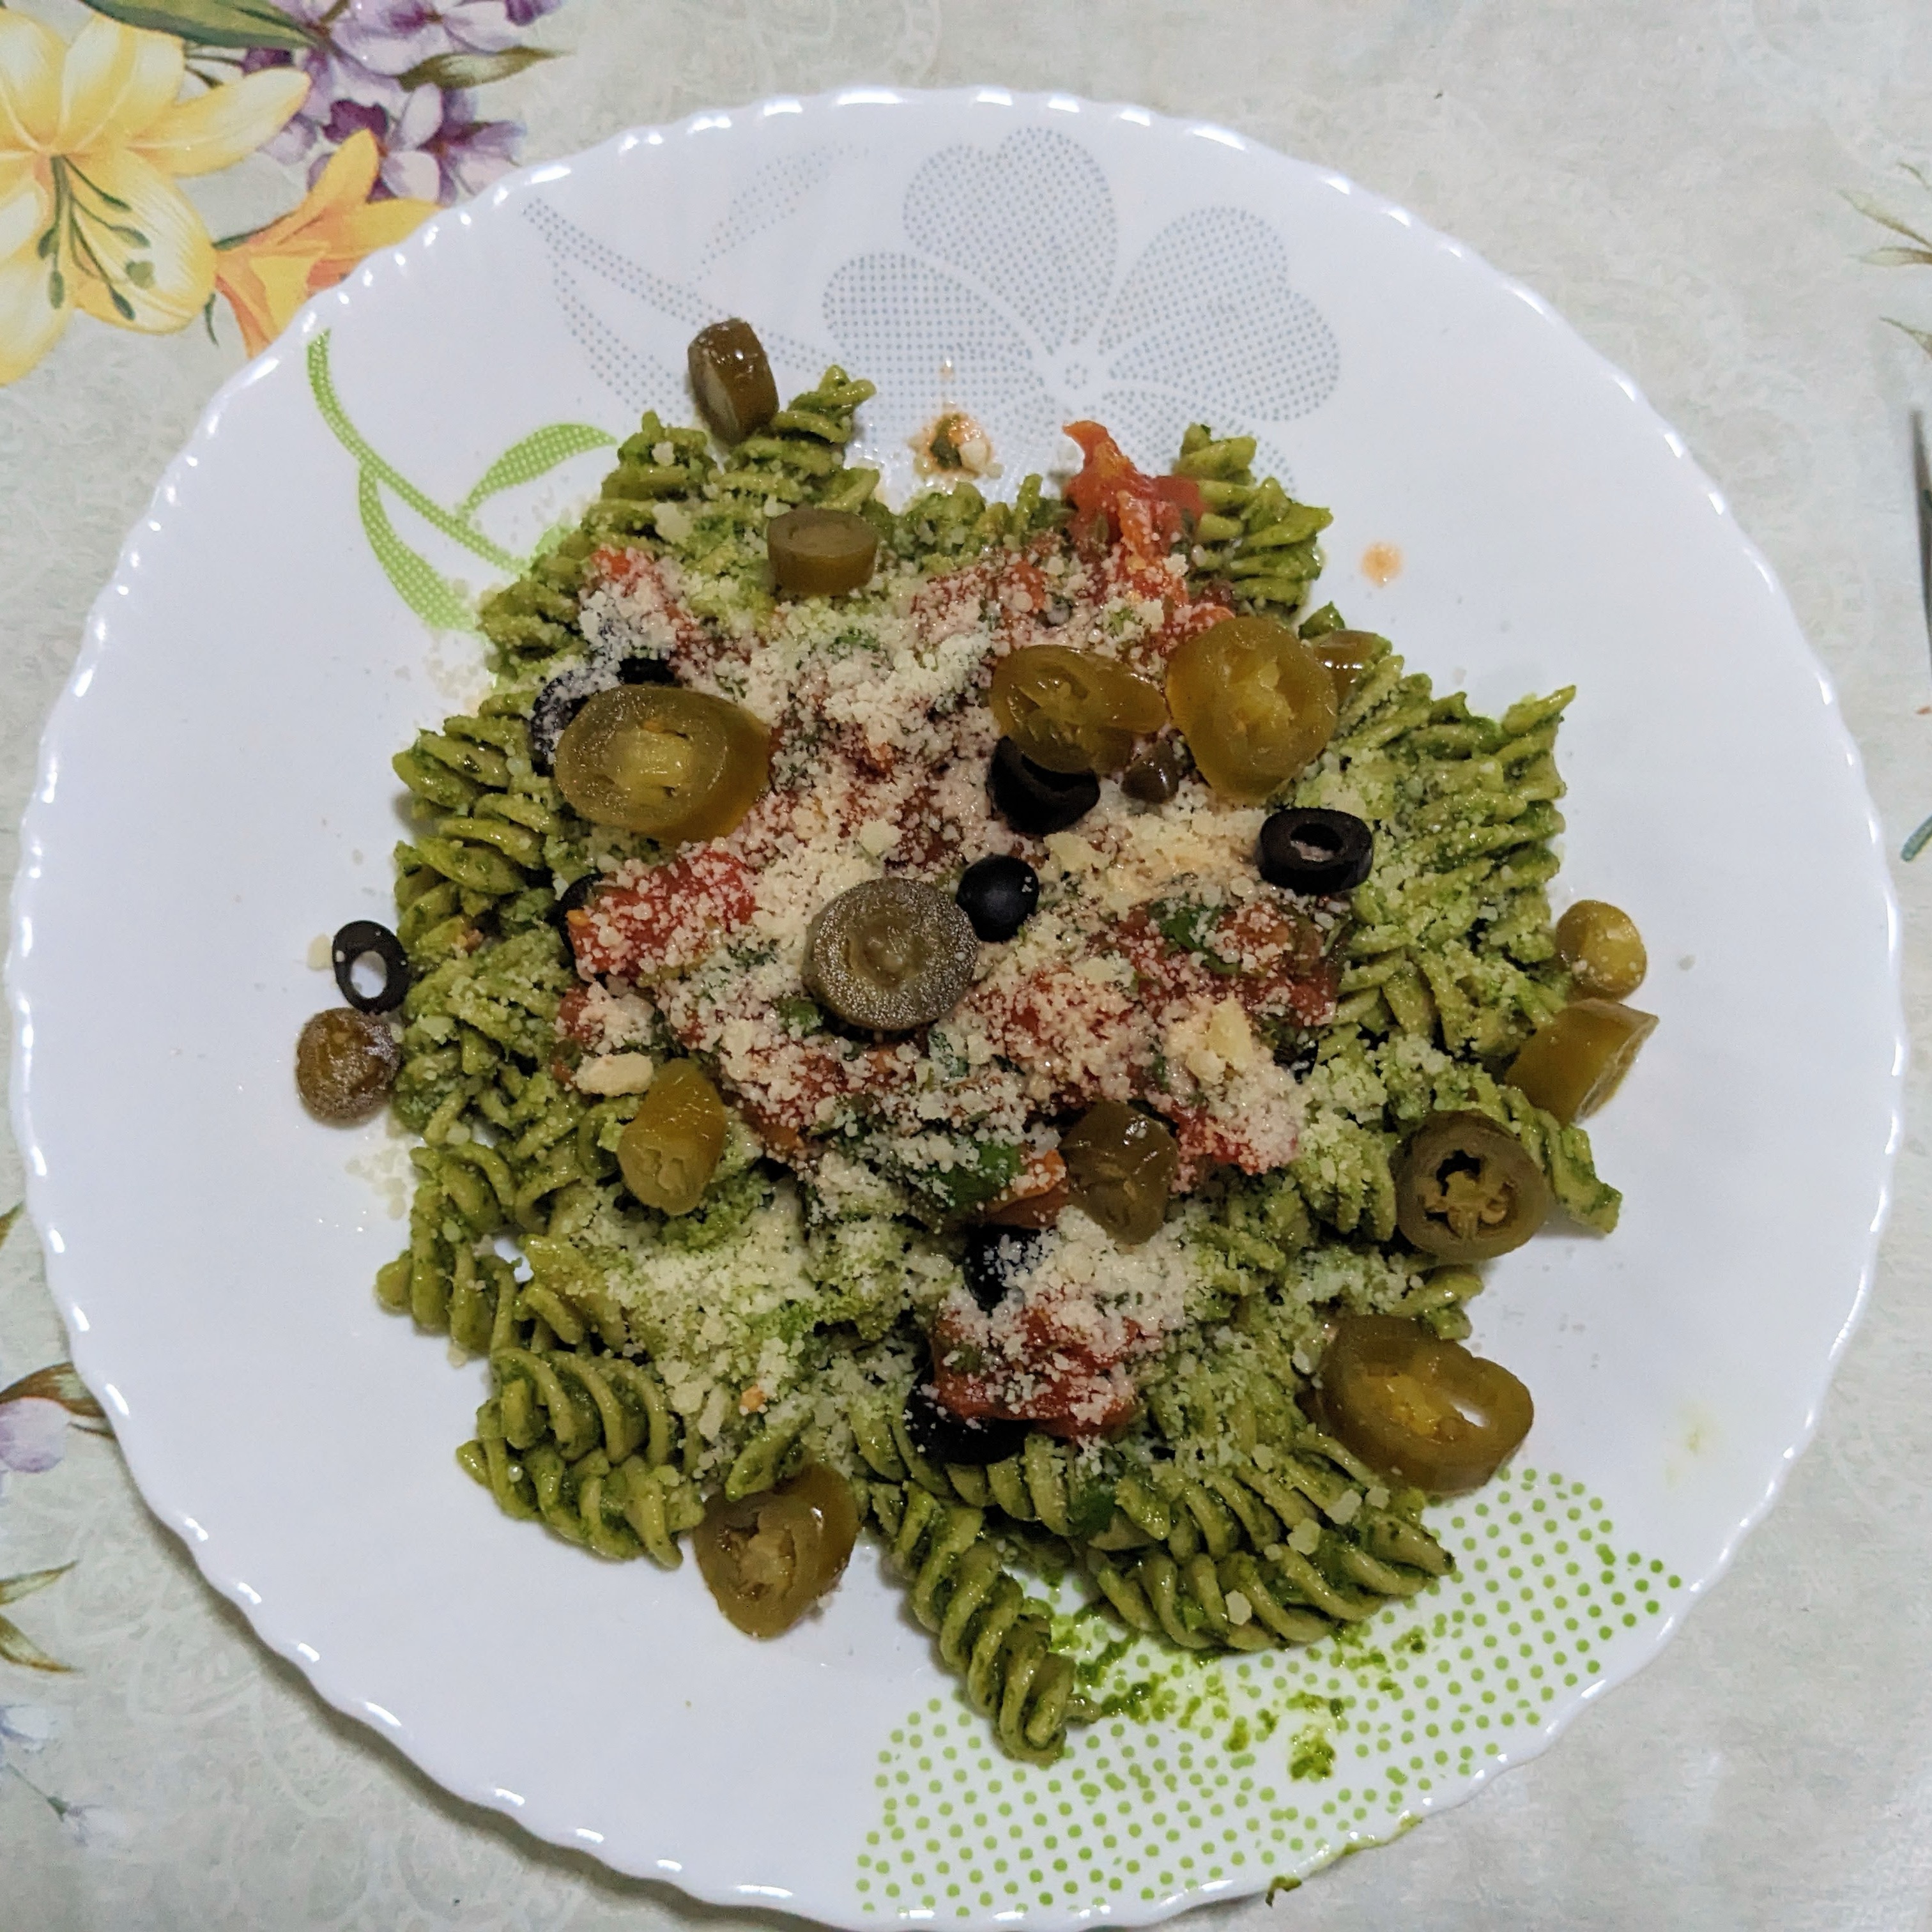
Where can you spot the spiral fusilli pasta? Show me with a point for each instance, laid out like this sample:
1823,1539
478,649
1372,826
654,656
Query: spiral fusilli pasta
643,1365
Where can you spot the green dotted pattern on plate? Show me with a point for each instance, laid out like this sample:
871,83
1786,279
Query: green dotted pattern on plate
1210,1774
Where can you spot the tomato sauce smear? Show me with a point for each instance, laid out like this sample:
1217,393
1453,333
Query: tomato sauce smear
658,920
1061,1380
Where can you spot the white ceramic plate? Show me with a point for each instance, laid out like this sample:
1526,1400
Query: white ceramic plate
214,792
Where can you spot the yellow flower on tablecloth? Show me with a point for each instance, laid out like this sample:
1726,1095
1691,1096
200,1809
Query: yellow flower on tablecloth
267,276
92,136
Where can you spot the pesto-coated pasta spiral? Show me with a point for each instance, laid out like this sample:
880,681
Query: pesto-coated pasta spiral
589,1445
798,456
504,1143
1451,963
1254,537
535,617
642,1366
654,466
989,1632
942,529
1287,1528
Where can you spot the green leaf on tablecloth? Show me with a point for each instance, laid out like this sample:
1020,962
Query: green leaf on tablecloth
17,1647
1922,336
12,1588
542,450
58,1383
212,23
7,1219
456,71
1873,211
420,585
1898,258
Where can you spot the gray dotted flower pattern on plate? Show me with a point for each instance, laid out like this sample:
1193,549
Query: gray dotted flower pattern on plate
1007,299
1016,304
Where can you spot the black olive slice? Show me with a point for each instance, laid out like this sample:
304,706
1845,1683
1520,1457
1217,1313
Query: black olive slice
551,712
574,898
998,895
996,1258
1306,849
640,669
1033,800
363,939
943,1437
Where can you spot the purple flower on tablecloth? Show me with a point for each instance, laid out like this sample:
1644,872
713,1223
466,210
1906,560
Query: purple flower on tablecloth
439,151
33,1434
392,36
435,148
90,1824
334,74
341,91
27,1727
24,1727
35,1412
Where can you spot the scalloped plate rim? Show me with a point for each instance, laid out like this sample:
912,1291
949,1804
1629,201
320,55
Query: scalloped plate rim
92,1353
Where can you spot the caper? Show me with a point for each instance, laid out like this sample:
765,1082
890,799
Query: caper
675,764
1155,776
731,377
891,954
1603,949
670,1151
1121,1165
1573,1064
821,553
346,1063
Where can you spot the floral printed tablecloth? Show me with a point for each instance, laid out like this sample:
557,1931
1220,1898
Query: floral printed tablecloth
1726,196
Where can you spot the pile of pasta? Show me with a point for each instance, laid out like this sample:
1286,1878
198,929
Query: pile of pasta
1223,1519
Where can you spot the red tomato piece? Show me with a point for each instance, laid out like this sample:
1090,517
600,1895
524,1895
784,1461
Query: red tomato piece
636,576
570,1011
1205,1142
1271,959
1036,1195
1059,1383
1108,484
668,920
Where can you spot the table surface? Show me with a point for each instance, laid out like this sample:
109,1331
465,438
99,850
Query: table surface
1674,175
